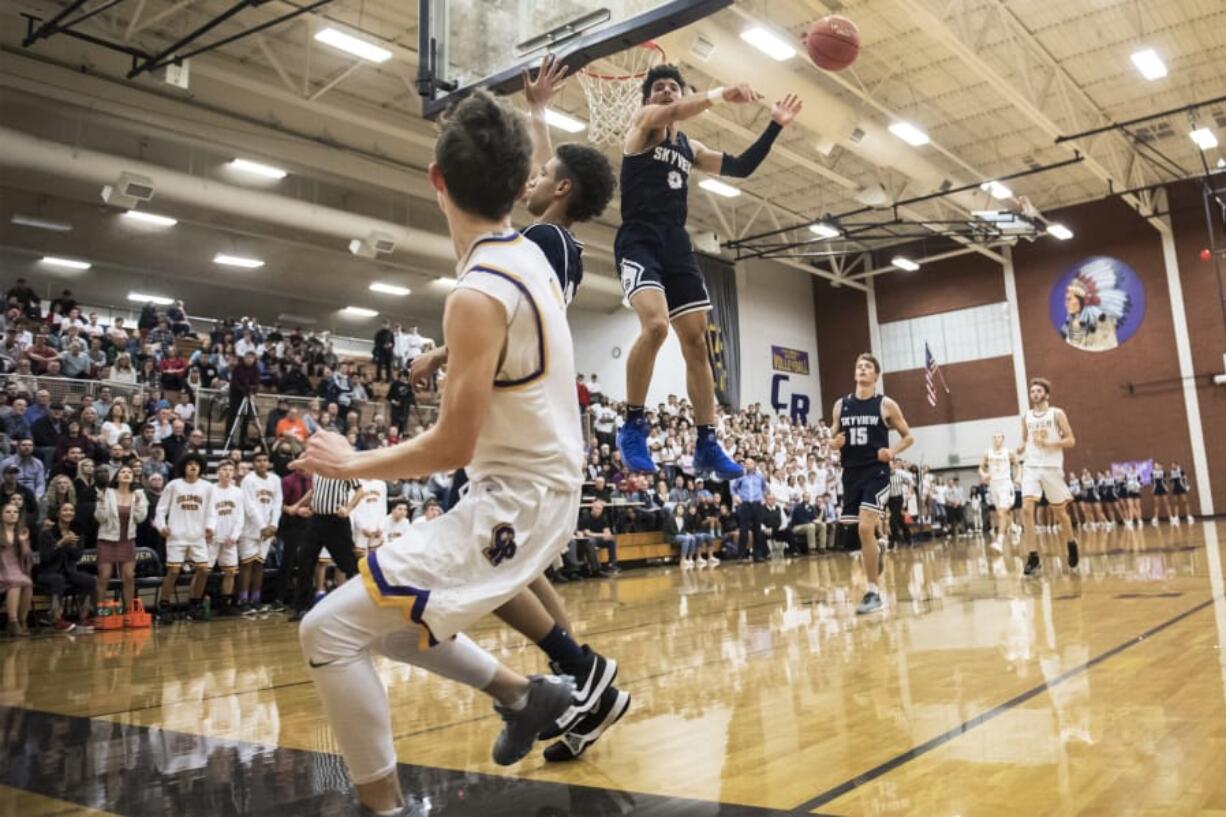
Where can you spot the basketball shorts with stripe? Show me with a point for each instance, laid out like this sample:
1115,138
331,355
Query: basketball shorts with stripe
660,257
865,488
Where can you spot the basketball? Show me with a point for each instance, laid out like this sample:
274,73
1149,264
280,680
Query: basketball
833,42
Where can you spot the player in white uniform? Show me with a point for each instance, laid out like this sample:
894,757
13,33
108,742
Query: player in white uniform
367,518
509,414
262,506
181,515
998,469
1045,434
222,528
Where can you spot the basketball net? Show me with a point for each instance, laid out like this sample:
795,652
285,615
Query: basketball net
612,98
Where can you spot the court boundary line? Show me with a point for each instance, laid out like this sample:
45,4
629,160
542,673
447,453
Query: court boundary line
851,784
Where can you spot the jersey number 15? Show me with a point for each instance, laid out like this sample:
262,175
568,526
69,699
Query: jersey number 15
858,436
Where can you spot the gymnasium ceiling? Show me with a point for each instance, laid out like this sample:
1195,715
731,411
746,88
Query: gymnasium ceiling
990,81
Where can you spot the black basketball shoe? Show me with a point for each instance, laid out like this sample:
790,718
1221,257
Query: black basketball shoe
1073,556
1033,565
593,674
613,704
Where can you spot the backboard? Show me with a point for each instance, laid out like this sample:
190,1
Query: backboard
466,44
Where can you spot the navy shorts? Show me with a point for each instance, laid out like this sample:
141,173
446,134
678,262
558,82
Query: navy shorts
1159,488
1180,489
660,257
866,487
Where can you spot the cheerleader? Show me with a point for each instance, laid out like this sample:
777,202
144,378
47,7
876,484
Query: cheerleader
1180,486
1162,499
1132,495
1106,498
1089,493
1120,485
1076,513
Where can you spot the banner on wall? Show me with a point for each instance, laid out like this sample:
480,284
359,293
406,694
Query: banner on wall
1144,469
1097,304
792,361
723,330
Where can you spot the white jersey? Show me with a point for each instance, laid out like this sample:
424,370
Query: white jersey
369,513
1042,424
394,530
184,509
532,430
1000,468
261,503
226,513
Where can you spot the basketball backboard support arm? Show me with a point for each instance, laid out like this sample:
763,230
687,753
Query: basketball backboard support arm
597,30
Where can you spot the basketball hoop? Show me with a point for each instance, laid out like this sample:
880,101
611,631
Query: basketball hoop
612,98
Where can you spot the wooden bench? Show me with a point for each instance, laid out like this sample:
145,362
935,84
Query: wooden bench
640,547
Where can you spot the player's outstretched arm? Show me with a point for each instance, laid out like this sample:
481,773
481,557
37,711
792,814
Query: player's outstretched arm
538,90
654,117
474,326
744,164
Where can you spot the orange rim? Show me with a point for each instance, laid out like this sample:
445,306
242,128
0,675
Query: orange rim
650,45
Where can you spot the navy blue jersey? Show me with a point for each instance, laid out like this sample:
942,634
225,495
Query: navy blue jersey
564,252
865,428
654,183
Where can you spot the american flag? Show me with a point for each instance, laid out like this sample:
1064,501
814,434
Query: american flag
931,371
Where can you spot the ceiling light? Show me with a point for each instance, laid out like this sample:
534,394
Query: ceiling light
769,43
142,298
563,122
824,230
237,261
1149,64
359,312
362,49
444,283
1204,138
389,289
1057,230
998,190
66,263
904,263
41,223
150,218
719,188
257,169
909,133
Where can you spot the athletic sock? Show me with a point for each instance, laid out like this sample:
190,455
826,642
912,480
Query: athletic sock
634,413
705,432
519,703
872,588
254,597
242,597
560,647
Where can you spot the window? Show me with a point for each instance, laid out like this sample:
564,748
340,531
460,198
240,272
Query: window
964,334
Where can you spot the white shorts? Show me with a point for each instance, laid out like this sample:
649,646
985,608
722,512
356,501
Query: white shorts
1049,482
1000,493
325,558
196,554
253,550
453,570
224,555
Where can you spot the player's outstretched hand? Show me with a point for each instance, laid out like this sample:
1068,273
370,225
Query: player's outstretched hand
427,364
550,78
838,440
741,92
785,110
327,454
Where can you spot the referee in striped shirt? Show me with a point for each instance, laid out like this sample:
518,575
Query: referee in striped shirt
331,501
899,479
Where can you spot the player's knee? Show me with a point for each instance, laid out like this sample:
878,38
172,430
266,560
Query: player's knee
312,633
654,330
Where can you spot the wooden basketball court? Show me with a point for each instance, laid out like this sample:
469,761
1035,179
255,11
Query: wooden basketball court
757,691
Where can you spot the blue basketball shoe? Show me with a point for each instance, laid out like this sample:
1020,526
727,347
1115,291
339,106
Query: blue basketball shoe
632,443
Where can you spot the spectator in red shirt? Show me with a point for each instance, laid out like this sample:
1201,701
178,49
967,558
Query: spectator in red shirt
174,369
585,397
